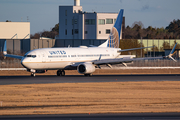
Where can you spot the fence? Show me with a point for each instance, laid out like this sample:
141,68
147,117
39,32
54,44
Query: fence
142,63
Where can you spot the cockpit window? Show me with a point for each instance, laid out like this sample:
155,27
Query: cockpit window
33,56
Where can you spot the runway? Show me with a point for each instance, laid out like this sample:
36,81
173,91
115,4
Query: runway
126,116
7,80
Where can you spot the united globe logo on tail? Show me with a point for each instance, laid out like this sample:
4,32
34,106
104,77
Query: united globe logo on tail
114,37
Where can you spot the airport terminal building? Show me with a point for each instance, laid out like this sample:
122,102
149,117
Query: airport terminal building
76,24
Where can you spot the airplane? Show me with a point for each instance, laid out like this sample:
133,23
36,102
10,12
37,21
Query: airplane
83,59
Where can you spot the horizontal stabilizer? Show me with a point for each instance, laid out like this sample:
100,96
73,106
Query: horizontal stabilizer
9,55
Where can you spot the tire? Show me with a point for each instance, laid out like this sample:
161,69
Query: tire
62,73
33,74
58,73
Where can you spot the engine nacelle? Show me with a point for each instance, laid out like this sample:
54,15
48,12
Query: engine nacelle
86,68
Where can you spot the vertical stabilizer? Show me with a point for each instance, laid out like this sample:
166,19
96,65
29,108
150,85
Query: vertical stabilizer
114,37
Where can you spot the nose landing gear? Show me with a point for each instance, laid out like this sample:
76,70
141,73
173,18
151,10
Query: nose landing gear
60,73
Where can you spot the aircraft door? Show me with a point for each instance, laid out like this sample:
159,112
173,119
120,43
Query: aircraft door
77,57
43,57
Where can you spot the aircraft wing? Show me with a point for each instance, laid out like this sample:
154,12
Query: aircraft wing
9,55
133,49
122,60
128,59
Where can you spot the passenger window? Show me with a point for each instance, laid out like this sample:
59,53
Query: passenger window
33,56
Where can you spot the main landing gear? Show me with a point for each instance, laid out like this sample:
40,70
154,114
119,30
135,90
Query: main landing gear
60,73
33,74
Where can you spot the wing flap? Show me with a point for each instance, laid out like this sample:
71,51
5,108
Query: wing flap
112,61
133,49
124,60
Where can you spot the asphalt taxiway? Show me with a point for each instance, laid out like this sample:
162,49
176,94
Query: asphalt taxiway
6,80
125,116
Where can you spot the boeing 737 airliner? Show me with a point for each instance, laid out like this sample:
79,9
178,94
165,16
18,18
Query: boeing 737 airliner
84,59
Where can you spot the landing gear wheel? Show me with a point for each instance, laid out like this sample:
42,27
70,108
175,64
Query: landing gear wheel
60,73
33,74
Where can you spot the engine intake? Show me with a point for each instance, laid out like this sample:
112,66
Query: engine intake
86,68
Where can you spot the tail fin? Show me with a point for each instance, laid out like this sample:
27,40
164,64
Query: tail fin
115,35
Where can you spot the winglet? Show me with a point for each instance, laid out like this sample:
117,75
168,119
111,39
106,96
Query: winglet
171,53
5,49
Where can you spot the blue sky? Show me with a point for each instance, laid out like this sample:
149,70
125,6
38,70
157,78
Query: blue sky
43,14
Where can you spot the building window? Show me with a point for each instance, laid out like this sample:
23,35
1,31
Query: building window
72,32
99,32
114,20
101,21
90,21
86,32
66,32
66,22
76,31
75,21
109,21
108,31
66,12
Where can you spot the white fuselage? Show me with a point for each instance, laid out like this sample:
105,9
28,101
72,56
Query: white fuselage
59,58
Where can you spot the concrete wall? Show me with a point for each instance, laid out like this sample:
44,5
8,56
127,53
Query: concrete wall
16,46
90,29
78,42
25,45
103,28
72,18
19,30
42,43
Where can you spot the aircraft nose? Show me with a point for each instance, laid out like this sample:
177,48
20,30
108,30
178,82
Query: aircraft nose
23,62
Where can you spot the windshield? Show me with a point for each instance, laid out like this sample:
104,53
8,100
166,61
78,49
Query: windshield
33,56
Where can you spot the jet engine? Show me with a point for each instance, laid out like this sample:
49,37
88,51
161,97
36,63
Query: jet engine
86,68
